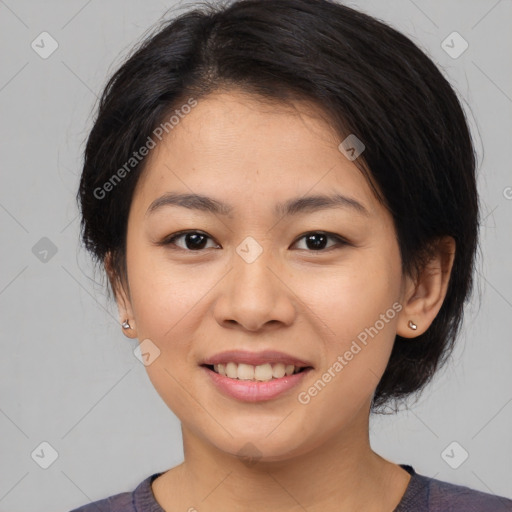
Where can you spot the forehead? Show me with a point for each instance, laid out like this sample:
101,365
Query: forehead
235,146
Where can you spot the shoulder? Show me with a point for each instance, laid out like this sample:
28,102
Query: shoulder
448,497
139,500
122,502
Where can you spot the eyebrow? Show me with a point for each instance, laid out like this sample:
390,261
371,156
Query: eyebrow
290,207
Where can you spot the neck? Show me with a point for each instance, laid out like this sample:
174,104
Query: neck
342,473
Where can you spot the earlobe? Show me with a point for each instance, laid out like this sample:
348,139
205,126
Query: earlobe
126,316
128,330
424,296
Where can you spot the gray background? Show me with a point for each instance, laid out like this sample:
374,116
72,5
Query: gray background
68,375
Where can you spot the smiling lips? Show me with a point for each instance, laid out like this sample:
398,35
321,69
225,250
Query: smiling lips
252,376
262,372
260,366
255,390
255,358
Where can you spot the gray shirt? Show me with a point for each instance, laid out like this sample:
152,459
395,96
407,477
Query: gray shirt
423,494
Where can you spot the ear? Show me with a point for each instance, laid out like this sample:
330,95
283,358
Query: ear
122,297
423,295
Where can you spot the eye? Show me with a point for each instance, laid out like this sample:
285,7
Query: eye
316,240
195,241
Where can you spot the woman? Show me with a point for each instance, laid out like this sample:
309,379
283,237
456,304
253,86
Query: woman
283,196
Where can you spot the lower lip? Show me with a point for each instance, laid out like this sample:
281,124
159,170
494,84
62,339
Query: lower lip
253,391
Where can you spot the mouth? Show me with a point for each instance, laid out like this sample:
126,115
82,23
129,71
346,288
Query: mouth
248,383
259,373
248,365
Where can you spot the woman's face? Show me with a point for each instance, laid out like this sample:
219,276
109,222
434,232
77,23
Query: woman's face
259,278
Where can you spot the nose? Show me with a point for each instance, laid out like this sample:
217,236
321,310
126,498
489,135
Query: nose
255,296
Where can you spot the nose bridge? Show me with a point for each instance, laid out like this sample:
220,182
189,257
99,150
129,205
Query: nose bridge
251,264
254,296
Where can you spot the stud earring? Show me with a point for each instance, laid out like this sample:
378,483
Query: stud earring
126,325
412,325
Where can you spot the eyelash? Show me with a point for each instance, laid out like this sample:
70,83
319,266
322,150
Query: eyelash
171,238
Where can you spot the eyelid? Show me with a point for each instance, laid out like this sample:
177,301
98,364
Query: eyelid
341,241
169,240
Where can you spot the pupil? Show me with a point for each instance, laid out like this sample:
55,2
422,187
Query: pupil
311,238
197,243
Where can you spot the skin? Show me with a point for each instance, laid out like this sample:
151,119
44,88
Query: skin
311,303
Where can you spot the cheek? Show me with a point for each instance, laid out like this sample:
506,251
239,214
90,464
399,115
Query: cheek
164,301
360,306
354,296
162,294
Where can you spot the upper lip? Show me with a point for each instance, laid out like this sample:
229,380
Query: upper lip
255,358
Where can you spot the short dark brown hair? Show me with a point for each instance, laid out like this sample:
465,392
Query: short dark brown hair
368,79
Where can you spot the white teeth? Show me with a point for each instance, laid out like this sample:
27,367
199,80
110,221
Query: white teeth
278,370
245,372
231,371
262,372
